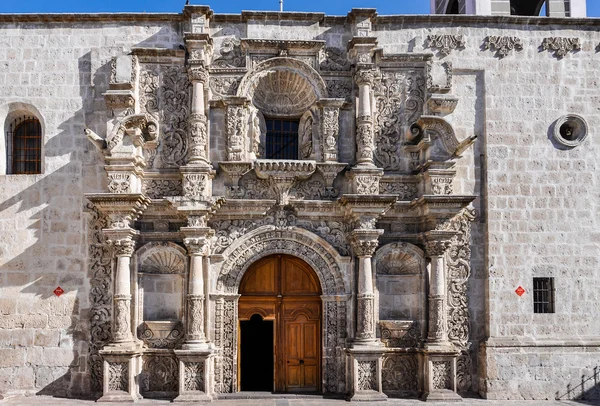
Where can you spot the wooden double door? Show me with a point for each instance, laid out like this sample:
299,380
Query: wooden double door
281,293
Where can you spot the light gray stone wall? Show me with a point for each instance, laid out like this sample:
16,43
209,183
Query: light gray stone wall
537,212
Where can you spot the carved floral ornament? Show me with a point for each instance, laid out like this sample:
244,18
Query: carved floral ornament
561,46
503,44
445,43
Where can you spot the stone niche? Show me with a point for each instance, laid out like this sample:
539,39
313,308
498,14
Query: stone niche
400,281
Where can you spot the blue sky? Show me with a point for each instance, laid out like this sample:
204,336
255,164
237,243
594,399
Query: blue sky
335,7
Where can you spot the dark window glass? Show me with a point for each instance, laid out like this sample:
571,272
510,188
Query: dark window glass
543,295
282,139
25,137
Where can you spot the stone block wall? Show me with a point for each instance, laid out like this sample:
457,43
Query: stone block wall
537,211
58,72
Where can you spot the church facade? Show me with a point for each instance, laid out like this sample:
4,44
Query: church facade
200,204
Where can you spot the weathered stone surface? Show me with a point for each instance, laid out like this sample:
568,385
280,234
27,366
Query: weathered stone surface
535,208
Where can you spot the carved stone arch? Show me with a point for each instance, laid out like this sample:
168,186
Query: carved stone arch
283,87
330,268
266,240
399,258
442,129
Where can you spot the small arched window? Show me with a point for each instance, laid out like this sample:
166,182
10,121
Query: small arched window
25,146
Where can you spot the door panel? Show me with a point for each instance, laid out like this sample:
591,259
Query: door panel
287,290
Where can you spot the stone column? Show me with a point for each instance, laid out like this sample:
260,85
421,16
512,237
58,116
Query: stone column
440,353
364,78
199,140
364,244
438,328
123,249
198,247
195,365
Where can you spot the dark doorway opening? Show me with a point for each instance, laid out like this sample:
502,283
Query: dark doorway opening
256,358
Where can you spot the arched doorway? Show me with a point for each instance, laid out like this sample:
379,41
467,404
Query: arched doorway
281,293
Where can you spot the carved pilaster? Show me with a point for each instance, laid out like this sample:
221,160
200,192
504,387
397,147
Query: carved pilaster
237,128
365,144
330,127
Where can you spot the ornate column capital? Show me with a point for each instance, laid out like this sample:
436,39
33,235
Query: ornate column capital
123,248
364,242
364,76
437,242
197,245
198,73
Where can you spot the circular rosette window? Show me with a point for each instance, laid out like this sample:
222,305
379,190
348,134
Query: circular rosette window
570,130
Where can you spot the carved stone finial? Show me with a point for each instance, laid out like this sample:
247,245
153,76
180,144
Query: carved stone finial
502,44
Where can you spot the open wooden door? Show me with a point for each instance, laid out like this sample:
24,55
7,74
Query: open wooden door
285,289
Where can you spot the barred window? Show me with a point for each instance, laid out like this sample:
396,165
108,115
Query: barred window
25,146
282,139
543,295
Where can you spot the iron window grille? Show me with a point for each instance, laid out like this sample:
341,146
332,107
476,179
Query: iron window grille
24,138
282,139
543,295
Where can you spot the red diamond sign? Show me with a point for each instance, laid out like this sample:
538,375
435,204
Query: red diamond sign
520,291
58,291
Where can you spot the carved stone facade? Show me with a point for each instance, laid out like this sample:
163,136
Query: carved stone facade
431,172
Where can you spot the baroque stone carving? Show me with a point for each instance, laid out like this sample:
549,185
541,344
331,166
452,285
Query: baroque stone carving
195,317
224,86
445,43
194,376
159,188
174,108
231,55
339,88
459,270
399,258
389,101
149,84
163,262
236,132
503,44
283,92
160,374
442,375
151,340
118,376
365,325
283,87
335,60
561,46
284,242
100,296
405,191
195,184
464,372
399,373
335,335
367,375
410,338
441,185
225,319
331,127
119,182
306,138
122,319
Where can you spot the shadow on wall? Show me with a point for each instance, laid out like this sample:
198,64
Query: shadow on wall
587,390
45,338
